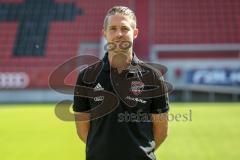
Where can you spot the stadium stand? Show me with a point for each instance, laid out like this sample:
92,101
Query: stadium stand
38,35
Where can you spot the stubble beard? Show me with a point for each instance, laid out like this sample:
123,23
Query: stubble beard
120,61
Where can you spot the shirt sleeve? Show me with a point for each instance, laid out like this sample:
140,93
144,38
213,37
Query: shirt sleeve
160,104
80,103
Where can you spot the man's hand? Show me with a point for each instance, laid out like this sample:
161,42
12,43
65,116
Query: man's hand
82,126
160,128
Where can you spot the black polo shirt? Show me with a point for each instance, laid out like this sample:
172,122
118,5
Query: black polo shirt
126,132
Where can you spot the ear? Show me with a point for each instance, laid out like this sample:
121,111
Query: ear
103,33
135,33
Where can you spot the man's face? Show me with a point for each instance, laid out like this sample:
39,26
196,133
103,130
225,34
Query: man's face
119,29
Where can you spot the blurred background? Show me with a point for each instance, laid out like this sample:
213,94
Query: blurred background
197,40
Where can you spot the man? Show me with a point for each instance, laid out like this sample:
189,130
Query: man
121,131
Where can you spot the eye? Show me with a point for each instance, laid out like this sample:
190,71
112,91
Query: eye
125,29
112,28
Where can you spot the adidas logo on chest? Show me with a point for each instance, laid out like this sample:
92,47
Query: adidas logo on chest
98,87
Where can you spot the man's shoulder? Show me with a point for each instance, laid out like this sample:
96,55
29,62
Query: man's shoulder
90,73
156,70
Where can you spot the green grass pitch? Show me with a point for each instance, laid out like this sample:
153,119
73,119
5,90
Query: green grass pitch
33,132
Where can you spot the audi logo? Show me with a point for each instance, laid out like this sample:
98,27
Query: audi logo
13,80
99,98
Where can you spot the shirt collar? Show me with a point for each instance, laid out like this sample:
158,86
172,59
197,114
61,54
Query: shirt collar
106,65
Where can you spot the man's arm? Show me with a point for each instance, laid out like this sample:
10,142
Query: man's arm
160,128
82,126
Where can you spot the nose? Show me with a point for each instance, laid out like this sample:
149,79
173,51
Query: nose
119,33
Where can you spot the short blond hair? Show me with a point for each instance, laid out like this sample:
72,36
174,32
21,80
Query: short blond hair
121,10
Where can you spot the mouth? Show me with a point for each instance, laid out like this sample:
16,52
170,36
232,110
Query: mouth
119,40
